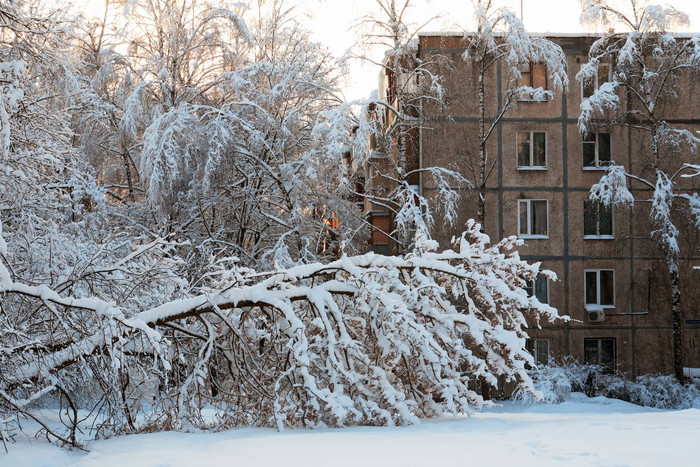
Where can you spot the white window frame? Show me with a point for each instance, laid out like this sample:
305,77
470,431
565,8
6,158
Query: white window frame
529,218
532,142
595,80
598,165
599,237
534,286
597,304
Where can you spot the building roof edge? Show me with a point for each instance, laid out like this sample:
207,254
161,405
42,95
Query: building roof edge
545,34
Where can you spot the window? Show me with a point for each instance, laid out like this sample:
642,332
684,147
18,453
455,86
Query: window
591,85
533,75
533,220
539,348
600,287
597,220
538,288
597,150
379,240
532,149
600,352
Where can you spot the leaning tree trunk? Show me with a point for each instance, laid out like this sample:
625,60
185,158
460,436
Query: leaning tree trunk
672,265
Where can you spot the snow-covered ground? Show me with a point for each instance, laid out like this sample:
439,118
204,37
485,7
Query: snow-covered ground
583,431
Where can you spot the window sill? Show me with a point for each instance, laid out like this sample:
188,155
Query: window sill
534,237
595,169
595,307
529,99
599,237
526,168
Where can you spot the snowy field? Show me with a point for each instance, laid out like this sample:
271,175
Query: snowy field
583,431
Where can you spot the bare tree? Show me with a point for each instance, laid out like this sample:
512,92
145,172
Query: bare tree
395,121
649,65
500,37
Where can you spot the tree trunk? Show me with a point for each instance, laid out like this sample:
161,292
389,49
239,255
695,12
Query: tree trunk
129,178
481,213
676,316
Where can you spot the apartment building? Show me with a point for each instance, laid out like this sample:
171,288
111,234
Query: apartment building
613,281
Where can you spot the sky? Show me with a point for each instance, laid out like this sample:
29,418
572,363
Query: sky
331,23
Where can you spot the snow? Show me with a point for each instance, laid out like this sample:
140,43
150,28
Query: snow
582,431
612,190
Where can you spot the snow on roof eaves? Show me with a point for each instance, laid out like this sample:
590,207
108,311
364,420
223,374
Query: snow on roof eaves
549,34
543,34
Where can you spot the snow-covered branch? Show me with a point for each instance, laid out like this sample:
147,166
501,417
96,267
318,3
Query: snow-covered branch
365,339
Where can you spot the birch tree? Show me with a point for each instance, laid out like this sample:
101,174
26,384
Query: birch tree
231,120
649,65
500,37
107,78
395,122
369,340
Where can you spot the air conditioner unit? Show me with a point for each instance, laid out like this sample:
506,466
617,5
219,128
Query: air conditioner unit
596,316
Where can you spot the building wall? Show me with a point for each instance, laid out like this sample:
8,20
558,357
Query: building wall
644,338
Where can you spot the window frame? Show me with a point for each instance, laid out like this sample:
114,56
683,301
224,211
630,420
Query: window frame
529,219
599,340
532,142
534,287
596,151
598,236
598,289
596,81
531,347
379,240
530,68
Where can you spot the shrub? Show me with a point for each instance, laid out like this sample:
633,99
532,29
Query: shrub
555,383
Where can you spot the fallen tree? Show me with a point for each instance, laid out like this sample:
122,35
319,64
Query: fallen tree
362,340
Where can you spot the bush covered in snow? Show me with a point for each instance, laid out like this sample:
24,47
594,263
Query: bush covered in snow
557,382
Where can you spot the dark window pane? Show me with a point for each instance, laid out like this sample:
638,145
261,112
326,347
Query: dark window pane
603,74
541,351
590,350
607,288
605,220
380,249
522,207
530,346
588,154
591,288
523,149
539,149
541,285
607,353
600,352
538,213
539,76
589,218
604,148
588,88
